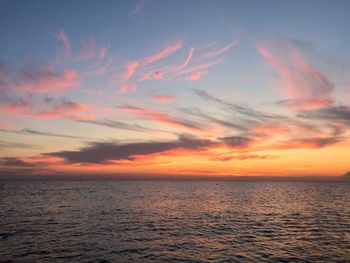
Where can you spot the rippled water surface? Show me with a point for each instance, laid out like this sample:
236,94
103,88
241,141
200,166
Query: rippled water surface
155,221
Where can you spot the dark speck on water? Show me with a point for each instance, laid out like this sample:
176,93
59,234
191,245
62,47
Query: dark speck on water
158,221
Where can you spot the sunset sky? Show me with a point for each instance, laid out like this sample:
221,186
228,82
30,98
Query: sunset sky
152,87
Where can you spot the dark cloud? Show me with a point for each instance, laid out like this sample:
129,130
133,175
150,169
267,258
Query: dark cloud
237,141
245,156
331,113
16,162
244,110
238,125
310,142
103,152
35,132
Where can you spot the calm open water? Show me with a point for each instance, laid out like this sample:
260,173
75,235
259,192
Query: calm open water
158,221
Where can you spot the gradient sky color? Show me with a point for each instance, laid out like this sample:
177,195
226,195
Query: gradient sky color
209,88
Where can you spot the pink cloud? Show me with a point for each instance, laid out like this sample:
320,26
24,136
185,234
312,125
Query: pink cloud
307,104
133,66
15,106
48,108
157,75
222,50
163,53
195,68
304,87
130,69
87,51
160,72
188,59
127,87
164,98
152,75
62,109
62,37
197,75
47,80
102,52
161,117
102,69
138,8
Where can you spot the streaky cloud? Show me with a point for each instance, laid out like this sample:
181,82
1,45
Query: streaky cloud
35,132
161,117
46,80
164,98
222,50
304,86
119,125
17,145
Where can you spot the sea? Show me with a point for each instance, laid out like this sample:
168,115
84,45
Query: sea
174,221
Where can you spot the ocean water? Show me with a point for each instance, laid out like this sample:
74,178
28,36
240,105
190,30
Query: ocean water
188,221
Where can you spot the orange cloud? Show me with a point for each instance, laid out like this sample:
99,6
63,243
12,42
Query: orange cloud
270,129
306,143
307,104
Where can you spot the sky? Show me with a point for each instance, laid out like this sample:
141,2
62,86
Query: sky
166,88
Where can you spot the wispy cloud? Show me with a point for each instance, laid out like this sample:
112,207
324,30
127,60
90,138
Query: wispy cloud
125,85
188,59
337,114
66,43
48,108
305,87
220,51
310,142
88,50
161,117
118,125
165,52
41,133
130,69
195,68
164,98
138,8
17,145
47,81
